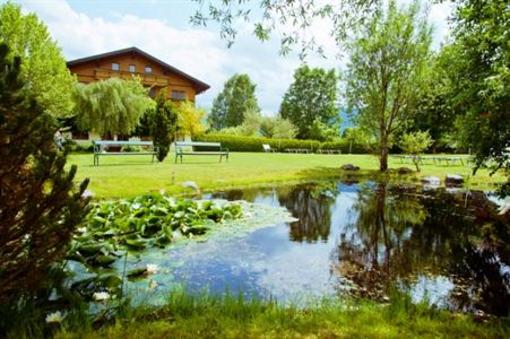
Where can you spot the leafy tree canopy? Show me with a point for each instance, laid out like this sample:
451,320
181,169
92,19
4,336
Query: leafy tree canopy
43,66
189,121
112,106
291,19
311,102
436,111
386,72
276,127
230,106
482,88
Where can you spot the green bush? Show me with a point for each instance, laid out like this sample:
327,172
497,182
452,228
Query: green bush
236,143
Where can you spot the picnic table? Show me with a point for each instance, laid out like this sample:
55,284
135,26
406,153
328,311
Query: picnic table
447,160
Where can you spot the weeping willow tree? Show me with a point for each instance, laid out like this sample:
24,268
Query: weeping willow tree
112,106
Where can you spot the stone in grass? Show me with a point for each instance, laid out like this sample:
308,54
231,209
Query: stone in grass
431,180
453,180
349,167
404,170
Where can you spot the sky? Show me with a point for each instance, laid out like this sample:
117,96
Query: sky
162,29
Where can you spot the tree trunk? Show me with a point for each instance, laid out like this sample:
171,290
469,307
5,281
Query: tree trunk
383,157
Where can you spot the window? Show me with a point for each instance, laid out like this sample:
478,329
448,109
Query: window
178,95
148,69
115,66
132,68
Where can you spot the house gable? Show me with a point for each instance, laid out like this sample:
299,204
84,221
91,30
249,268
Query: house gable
133,61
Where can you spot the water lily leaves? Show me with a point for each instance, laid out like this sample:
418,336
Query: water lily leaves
135,243
105,260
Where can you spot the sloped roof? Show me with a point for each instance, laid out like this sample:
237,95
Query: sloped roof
200,86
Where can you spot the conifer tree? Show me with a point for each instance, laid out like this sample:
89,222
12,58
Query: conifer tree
163,126
39,205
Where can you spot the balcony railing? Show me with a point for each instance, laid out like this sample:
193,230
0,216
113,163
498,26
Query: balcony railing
146,78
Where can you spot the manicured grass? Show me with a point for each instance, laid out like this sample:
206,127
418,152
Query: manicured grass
186,316
127,176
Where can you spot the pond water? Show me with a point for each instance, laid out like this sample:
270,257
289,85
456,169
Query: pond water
353,239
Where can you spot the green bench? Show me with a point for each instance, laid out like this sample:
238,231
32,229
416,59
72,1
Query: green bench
101,148
183,148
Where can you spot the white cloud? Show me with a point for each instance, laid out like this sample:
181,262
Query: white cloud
197,51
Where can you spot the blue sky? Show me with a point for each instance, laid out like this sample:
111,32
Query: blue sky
162,28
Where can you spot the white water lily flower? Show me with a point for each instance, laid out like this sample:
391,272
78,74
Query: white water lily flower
55,317
152,268
87,194
153,284
101,296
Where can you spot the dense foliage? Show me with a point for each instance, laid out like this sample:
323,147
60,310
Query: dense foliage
232,103
189,118
163,124
276,127
482,86
386,71
238,143
39,206
43,67
310,103
112,106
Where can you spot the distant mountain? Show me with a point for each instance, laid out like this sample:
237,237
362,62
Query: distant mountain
346,120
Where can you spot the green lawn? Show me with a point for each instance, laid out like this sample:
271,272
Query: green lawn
126,176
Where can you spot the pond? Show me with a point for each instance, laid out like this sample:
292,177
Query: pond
351,239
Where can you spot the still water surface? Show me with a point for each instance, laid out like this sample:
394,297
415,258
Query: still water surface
358,240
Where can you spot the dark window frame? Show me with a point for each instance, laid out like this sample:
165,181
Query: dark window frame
180,95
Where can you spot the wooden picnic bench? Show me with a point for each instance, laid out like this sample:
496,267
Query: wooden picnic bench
199,148
447,160
101,148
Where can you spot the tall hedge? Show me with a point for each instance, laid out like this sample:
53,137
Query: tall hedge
237,143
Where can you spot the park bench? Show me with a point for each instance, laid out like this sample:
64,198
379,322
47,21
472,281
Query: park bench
298,150
199,148
101,148
329,151
267,148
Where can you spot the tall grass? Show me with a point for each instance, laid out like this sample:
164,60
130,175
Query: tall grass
234,316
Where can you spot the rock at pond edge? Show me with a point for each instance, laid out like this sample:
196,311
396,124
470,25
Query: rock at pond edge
349,167
453,180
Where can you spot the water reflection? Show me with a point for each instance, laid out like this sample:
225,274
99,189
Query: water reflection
311,204
364,239
405,235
